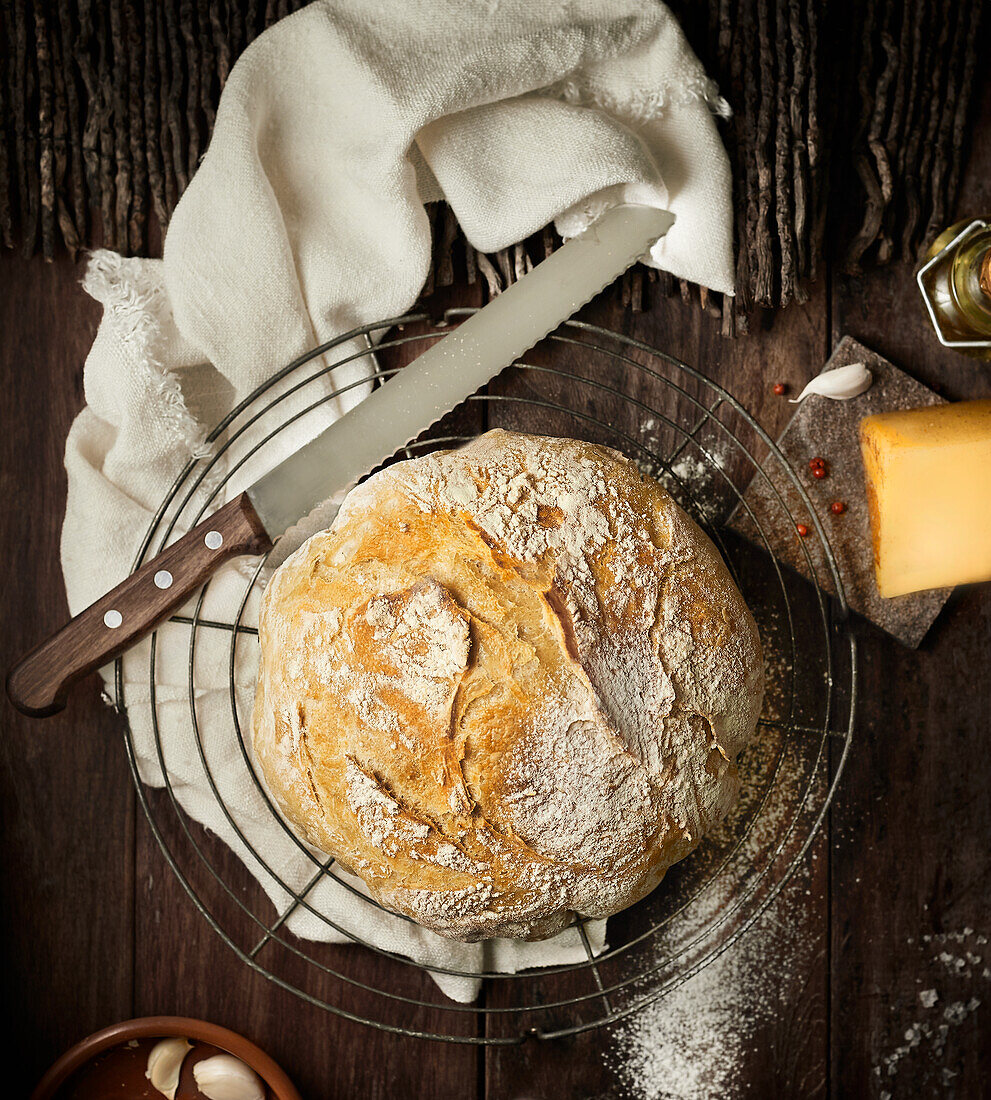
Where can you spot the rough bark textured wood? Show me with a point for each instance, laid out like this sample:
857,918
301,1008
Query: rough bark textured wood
67,185
87,74
104,111
46,162
137,151
135,99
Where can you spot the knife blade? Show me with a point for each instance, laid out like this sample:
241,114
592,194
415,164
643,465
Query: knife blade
458,365
397,412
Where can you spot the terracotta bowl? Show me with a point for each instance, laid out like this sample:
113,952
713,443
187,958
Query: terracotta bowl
160,1027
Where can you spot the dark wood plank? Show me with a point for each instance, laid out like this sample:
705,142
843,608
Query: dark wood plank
911,869
66,833
182,966
786,1051
908,891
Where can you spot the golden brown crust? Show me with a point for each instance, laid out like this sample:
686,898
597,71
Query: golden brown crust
508,685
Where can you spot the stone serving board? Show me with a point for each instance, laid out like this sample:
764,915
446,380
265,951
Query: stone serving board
829,428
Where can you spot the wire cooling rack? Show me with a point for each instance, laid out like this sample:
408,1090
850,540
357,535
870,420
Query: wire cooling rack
586,382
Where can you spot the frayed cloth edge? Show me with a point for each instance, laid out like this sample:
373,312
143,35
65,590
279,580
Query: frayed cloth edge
134,300
643,105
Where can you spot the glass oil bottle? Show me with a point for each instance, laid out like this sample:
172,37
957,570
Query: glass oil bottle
955,282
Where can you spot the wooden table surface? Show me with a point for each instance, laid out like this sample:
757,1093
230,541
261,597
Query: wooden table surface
95,929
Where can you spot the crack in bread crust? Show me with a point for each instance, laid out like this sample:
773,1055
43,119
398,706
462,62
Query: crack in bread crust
520,676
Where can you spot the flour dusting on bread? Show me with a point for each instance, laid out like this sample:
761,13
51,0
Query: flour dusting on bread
507,686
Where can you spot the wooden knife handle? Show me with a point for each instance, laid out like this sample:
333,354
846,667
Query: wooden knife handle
38,684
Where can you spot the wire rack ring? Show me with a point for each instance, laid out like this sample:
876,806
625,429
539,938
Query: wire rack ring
694,436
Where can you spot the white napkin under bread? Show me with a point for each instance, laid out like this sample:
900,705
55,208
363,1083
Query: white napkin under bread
306,218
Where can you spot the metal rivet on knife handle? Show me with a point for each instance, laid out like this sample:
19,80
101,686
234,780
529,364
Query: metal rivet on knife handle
361,439
39,683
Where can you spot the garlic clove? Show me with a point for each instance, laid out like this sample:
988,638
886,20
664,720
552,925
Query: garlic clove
165,1063
224,1077
839,384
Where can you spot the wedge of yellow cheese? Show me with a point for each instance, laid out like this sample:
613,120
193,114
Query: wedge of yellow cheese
929,494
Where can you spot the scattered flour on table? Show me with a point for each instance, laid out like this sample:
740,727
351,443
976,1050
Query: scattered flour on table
692,1043
699,478
694,475
956,958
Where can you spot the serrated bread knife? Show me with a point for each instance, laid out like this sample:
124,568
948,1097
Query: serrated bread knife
397,412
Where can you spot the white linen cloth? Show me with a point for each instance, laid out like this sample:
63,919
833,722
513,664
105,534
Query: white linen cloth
306,219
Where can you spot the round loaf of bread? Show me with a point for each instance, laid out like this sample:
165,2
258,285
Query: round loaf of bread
507,686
